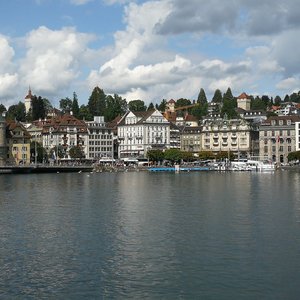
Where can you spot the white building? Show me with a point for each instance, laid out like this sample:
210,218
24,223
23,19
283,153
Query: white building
139,132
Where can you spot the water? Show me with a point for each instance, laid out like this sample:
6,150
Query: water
138,235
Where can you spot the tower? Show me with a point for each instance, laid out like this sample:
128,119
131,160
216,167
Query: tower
3,147
28,101
244,102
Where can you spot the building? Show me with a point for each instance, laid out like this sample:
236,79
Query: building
139,132
297,136
3,145
277,137
236,135
28,101
62,133
18,142
244,102
191,139
100,139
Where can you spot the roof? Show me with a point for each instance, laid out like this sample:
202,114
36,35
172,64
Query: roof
243,96
66,120
171,101
12,125
29,95
292,118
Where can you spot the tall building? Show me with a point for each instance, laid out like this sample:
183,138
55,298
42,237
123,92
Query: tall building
244,102
3,146
28,101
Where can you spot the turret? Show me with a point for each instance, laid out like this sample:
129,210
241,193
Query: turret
3,147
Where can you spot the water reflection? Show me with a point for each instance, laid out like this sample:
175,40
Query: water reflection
140,235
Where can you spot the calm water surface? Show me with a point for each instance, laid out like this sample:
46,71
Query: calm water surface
139,235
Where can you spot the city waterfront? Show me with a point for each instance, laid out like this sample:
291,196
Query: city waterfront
143,235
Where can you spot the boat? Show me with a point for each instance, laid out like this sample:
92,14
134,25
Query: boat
261,165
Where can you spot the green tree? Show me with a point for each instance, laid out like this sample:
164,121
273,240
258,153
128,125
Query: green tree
202,97
200,110
150,106
116,106
2,108
183,102
75,106
162,106
204,155
294,156
257,104
17,112
286,98
97,102
137,105
217,98
41,152
84,113
277,100
47,104
65,104
187,156
229,105
155,155
173,155
76,152
294,97
38,109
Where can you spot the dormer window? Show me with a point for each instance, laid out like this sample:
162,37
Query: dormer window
273,122
288,122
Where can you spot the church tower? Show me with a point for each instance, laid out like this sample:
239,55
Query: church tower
28,101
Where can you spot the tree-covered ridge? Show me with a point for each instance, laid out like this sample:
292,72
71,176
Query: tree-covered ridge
111,106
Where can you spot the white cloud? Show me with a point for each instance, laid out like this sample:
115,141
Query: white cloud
53,59
290,84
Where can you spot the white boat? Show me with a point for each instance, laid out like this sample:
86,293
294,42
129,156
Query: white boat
261,165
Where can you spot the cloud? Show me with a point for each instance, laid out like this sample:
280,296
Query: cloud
8,77
80,2
53,59
290,84
253,17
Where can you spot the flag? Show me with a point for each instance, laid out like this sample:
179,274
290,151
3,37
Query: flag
54,155
278,139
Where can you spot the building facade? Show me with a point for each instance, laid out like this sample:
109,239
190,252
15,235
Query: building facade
139,132
18,143
100,139
277,137
60,134
191,139
236,135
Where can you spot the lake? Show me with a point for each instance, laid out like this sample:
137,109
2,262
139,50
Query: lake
140,235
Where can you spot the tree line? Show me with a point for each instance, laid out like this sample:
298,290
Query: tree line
111,106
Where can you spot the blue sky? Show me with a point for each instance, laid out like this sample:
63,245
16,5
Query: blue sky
148,50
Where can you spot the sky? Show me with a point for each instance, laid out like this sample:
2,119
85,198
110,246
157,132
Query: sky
148,50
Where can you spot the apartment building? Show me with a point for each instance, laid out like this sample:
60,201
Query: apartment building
139,132
277,137
235,135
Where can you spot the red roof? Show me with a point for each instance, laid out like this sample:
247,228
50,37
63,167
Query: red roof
243,96
172,101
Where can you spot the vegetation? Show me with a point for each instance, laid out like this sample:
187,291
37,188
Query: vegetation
294,156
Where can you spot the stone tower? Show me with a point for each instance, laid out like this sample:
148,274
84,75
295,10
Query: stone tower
3,147
28,101
244,102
